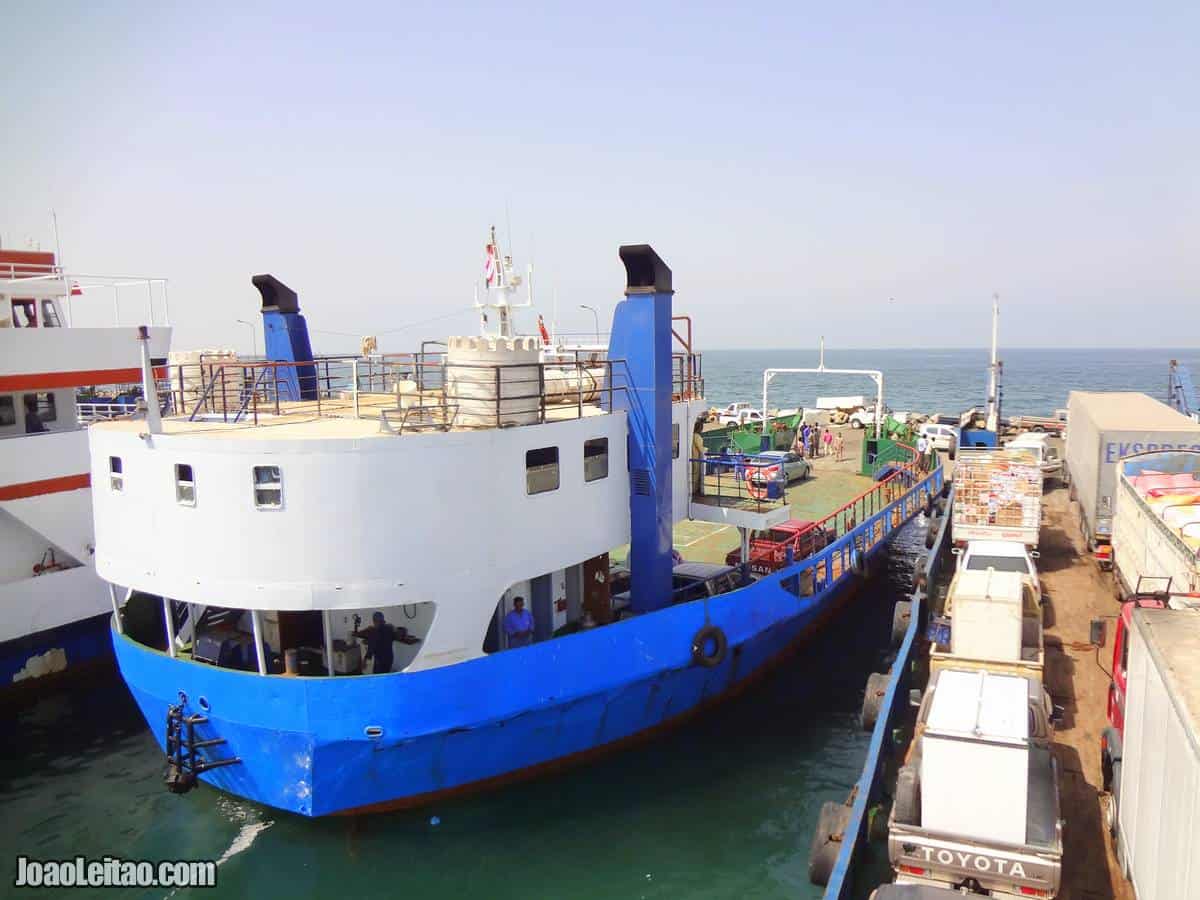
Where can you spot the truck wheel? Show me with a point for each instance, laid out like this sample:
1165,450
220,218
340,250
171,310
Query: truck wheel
901,614
873,700
827,841
907,805
1110,812
919,572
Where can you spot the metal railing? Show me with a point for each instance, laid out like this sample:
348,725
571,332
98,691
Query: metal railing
744,480
441,393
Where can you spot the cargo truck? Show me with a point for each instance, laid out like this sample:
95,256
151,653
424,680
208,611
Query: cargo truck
1155,770
1103,428
1156,526
997,497
977,800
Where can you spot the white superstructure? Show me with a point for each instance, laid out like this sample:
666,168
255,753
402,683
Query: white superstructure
47,580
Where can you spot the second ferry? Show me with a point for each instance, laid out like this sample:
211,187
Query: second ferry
450,514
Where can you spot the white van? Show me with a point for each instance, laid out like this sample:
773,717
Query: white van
940,437
1038,443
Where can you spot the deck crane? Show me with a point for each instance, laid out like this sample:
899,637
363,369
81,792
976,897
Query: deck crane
1181,393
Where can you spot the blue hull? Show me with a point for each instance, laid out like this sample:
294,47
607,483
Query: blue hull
84,645
304,744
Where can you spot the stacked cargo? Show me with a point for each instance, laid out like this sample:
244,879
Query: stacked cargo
997,496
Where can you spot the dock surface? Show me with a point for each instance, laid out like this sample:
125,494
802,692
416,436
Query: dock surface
1077,677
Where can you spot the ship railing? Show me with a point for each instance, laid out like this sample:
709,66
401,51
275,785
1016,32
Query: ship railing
87,411
148,295
239,391
745,481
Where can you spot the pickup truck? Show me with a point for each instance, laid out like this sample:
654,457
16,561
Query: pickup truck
977,800
741,417
1003,556
769,547
863,417
996,624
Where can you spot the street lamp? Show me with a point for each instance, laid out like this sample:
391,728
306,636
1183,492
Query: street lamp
253,336
596,316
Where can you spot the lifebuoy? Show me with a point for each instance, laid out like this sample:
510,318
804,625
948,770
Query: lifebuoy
758,479
700,646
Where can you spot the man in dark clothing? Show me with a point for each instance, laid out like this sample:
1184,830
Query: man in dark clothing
33,422
379,637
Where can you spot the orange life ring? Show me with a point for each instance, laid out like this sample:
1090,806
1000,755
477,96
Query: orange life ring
758,479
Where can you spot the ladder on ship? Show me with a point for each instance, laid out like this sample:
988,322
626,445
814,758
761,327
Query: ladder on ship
184,761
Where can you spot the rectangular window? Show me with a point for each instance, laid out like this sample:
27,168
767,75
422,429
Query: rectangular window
50,315
674,440
595,459
116,477
8,411
541,470
43,405
185,485
268,487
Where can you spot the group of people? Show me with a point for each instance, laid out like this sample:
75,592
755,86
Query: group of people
812,441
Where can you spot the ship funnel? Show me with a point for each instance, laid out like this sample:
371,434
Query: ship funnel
640,351
285,334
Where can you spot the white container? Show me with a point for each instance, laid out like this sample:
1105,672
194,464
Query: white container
1158,811
493,382
987,613
1102,428
975,757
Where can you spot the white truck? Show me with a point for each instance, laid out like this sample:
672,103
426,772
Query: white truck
977,800
1046,454
1157,780
995,624
1156,526
997,497
1102,428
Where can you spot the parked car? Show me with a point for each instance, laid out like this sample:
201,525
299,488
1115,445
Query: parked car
794,466
940,437
769,547
689,581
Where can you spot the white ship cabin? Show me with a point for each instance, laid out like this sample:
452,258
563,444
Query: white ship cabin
266,524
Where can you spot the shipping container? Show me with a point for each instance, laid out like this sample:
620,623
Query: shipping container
1158,778
1101,429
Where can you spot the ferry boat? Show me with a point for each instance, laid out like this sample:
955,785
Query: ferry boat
292,502
54,608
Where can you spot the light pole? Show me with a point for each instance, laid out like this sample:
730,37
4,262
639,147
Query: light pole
253,336
596,316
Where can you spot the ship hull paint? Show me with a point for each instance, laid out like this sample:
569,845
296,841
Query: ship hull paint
303,742
42,661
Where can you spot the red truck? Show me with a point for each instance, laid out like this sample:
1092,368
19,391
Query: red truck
769,548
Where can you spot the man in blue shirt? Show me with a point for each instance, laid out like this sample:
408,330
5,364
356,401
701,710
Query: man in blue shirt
518,625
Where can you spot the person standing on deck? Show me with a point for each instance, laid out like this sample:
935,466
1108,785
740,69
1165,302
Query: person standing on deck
379,637
840,446
807,440
922,453
697,458
518,625
827,442
33,422
798,442
816,441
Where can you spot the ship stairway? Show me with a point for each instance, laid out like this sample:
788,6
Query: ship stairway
185,762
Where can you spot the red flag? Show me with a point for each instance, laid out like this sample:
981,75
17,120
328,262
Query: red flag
76,290
545,333
489,269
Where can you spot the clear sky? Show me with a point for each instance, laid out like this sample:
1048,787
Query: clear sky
797,165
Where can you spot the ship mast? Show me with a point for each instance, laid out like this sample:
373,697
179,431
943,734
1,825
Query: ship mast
993,398
500,292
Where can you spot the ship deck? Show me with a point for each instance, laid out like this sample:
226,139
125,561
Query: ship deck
831,485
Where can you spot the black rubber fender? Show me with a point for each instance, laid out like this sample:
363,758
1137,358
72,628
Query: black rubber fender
946,485
901,614
827,841
931,532
919,572
700,647
877,685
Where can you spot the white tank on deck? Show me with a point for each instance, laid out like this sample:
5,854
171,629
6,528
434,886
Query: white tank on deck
494,381
190,371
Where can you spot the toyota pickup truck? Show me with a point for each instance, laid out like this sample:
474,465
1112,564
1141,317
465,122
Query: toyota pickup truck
977,801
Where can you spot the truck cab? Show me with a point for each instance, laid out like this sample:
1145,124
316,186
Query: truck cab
1002,556
769,547
1038,443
